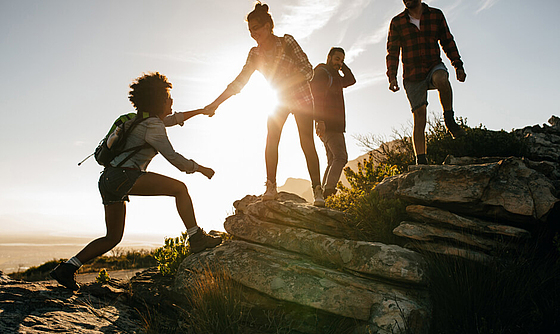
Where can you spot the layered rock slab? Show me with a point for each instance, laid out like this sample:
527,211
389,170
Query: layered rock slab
389,262
290,277
280,251
505,190
440,231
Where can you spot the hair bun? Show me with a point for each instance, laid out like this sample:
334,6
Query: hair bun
261,7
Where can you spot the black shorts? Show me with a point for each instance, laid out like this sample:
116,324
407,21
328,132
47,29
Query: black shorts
115,184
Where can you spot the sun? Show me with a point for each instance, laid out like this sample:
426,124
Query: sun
259,94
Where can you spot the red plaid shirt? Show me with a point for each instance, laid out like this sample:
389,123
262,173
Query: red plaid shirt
420,49
286,59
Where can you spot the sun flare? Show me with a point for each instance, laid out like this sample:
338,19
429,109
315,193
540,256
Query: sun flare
258,93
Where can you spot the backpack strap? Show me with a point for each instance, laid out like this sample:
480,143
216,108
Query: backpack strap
329,75
135,149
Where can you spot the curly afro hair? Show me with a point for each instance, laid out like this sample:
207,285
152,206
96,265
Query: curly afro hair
149,92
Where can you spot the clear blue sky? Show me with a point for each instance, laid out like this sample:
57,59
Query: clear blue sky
66,65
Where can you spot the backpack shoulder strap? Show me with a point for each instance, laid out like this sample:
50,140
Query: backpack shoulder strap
329,75
135,149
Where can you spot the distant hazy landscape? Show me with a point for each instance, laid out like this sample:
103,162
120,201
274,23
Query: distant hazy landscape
19,252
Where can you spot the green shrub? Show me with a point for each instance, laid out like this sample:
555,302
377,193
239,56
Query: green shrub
477,142
371,215
171,254
103,277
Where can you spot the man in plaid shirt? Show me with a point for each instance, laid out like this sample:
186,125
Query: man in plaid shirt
416,31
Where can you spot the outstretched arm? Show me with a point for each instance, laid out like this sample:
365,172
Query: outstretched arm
210,109
181,117
236,85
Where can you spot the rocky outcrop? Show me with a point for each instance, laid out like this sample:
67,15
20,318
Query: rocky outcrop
45,307
291,251
475,210
478,208
506,190
543,142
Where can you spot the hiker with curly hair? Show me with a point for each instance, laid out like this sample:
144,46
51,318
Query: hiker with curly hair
287,68
150,96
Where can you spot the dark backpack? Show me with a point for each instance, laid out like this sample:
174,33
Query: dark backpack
114,142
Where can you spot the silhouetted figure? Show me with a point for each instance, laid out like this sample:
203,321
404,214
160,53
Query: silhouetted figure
327,85
286,67
416,32
151,97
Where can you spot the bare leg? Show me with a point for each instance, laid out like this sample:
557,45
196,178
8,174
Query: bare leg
419,137
305,129
152,184
114,221
275,125
440,80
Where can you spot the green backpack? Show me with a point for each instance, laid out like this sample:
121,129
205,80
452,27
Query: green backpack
114,142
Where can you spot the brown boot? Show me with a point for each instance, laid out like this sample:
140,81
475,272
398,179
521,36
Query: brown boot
200,241
452,127
65,274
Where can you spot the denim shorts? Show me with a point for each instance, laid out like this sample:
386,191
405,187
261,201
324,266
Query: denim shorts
417,91
115,184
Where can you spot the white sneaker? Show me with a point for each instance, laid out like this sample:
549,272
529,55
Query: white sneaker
271,193
318,197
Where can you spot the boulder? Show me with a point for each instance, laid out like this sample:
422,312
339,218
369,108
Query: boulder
431,215
292,210
371,258
296,254
290,277
542,142
506,190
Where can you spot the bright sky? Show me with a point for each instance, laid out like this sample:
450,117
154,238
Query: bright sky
66,65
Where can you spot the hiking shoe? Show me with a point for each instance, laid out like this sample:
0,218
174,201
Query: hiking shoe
452,127
200,241
318,199
421,159
65,274
271,193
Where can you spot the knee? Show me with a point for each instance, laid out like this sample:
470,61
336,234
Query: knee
341,159
440,79
180,189
344,158
114,239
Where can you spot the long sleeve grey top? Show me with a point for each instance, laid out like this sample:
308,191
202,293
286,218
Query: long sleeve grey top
152,131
